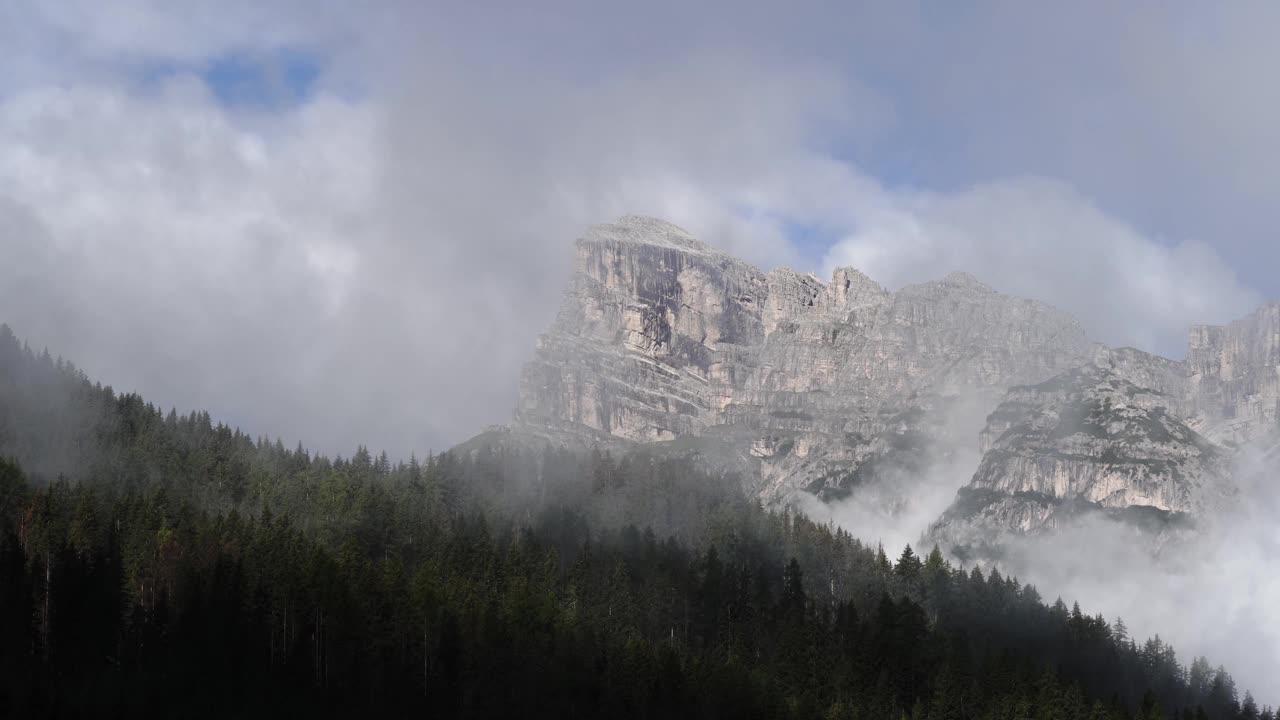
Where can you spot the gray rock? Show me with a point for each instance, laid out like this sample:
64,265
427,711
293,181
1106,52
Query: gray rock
1234,375
1086,440
825,387
660,336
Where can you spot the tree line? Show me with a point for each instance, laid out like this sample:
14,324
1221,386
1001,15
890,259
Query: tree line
158,564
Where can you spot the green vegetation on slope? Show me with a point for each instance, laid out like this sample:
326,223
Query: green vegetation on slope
160,565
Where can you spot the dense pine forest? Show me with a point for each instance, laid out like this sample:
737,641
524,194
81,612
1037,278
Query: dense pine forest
157,564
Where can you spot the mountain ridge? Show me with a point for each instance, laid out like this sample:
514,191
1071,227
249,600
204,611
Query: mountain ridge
827,387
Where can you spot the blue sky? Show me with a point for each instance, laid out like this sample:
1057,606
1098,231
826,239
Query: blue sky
284,78
275,81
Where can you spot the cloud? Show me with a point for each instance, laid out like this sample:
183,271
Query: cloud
898,504
1161,113
188,256
359,271
181,31
1212,596
402,247
1037,238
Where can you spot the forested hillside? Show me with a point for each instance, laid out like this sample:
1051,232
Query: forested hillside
158,564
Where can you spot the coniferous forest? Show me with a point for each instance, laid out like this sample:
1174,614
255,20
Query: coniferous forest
157,564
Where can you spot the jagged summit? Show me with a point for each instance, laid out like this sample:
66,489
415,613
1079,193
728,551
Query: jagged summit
660,336
825,387
964,279
1234,374
649,222
648,231
1086,441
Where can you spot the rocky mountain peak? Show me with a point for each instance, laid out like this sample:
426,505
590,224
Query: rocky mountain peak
966,280
823,388
649,231
1234,374
660,336
851,289
1086,440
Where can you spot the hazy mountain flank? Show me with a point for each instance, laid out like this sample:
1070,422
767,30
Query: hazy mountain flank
826,389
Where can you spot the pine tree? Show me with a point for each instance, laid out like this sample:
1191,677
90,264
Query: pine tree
1249,708
1150,709
794,599
909,566
359,587
882,561
1120,632
935,565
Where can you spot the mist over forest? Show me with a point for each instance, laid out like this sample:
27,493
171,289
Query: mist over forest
166,561
840,360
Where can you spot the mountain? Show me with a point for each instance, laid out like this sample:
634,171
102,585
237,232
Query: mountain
1233,375
830,388
660,336
1086,441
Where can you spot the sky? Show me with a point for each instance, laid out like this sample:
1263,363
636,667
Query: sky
346,223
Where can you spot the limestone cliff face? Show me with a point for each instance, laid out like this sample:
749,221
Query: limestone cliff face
1087,439
1234,375
1133,435
660,336
1165,377
826,387
649,337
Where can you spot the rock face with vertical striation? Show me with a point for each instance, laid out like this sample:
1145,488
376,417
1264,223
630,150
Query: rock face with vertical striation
1234,375
823,388
653,330
660,336
1086,440
1134,435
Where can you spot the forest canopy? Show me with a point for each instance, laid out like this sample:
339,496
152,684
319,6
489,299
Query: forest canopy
164,564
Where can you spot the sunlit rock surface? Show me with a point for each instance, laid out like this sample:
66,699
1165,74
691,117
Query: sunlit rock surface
1086,440
823,388
660,336
1234,375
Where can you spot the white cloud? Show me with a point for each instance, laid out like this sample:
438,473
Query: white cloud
190,257
184,30
405,249
1214,597
1036,238
400,254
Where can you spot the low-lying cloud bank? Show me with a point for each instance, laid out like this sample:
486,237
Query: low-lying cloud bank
1212,595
